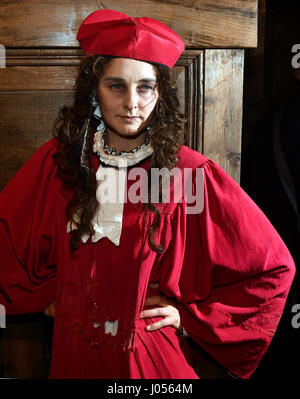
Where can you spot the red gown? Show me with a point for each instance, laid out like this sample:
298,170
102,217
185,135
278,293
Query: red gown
227,267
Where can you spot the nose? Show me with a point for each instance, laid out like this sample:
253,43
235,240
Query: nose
131,99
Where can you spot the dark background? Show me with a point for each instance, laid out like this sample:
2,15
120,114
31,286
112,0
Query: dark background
272,83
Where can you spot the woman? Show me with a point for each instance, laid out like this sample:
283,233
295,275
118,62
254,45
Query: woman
127,276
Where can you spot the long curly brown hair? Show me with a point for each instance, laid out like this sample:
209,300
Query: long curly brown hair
167,135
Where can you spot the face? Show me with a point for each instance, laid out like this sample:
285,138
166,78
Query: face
127,96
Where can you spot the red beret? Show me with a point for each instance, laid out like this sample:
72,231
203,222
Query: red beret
110,32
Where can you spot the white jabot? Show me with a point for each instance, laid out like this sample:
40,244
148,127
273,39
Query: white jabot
111,185
131,158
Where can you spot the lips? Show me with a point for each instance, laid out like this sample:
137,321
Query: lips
128,117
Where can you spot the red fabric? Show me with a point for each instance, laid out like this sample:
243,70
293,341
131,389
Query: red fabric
110,32
227,267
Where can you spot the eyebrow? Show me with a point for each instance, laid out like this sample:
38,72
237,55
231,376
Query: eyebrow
121,80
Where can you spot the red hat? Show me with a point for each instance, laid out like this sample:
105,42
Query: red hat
110,32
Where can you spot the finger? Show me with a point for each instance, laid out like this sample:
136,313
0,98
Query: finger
159,324
50,310
49,313
156,312
155,300
154,285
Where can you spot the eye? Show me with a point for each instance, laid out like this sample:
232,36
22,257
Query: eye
115,86
146,88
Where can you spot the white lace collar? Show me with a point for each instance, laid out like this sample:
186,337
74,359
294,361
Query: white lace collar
128,158
107,221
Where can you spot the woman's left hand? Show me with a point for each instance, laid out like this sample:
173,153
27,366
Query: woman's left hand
50,310
167,310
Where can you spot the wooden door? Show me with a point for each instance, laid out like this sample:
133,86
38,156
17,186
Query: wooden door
42,57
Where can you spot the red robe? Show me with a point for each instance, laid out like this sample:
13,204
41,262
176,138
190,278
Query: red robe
227,267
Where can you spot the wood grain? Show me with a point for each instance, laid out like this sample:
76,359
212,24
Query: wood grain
23,78
205,23
223,103
31,96
28,122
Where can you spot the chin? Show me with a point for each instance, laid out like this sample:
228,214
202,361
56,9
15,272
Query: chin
129,131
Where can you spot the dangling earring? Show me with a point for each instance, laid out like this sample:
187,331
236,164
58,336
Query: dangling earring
149,130
84,159
97,114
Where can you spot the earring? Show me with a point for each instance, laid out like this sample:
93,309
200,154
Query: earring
97,114
84,159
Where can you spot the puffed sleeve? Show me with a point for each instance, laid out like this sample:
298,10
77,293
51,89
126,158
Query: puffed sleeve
27,235
235,274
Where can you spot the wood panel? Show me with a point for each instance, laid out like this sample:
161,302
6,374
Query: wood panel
223,104
28,122
35,93
205,23
23,337
24,78
192,97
